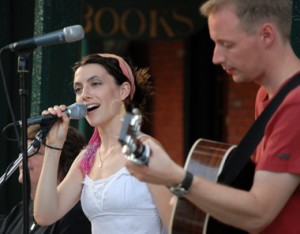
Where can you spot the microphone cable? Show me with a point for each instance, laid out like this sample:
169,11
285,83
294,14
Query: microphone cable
18,139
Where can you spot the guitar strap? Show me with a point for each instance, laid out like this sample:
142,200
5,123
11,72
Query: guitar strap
241,155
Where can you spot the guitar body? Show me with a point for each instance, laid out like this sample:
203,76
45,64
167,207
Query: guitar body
206,159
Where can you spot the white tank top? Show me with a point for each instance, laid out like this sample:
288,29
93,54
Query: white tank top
120,204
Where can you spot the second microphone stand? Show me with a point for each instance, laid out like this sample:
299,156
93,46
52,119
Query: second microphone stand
23,92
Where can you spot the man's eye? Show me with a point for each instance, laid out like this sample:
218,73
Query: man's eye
227,45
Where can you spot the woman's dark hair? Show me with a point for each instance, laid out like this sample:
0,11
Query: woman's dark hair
73,145
141,79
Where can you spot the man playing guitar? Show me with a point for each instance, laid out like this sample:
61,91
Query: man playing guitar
252,44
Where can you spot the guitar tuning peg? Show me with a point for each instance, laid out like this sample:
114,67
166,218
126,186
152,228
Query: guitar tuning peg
136,111
140,156
126,150
136,122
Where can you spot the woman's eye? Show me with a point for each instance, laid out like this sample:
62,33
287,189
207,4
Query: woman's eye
77,90
96,84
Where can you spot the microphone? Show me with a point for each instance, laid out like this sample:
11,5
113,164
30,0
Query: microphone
68,34
74,111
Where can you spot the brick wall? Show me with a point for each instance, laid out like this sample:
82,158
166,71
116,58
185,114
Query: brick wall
239,109
166,61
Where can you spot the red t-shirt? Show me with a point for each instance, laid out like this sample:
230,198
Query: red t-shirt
279,151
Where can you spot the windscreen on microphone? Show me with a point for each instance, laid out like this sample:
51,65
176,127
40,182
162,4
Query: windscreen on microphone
76,111
73,33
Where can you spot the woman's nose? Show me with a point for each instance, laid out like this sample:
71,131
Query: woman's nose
85,94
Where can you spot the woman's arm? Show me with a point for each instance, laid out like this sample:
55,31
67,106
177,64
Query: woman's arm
52,202
162,197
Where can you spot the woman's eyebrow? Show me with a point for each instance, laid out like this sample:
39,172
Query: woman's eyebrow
88,80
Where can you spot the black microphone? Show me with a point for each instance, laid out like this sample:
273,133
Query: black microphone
68,34
74,111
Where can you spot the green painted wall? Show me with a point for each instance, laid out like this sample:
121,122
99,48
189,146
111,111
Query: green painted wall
52,65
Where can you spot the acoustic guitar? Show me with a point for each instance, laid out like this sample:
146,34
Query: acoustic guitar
206,159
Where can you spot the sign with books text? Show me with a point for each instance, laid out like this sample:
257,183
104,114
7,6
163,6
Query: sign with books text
138,19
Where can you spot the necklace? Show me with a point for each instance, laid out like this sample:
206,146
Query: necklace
102,160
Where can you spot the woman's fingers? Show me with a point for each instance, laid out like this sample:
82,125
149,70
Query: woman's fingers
55,110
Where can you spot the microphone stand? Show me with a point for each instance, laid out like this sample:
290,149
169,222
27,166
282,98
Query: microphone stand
23,92
32,149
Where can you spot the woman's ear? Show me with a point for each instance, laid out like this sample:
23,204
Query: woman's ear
125,90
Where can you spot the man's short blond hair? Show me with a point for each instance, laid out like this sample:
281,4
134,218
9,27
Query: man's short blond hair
253,13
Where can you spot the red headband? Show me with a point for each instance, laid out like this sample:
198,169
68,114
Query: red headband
125,69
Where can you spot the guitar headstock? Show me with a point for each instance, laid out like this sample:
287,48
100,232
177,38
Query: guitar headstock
134,150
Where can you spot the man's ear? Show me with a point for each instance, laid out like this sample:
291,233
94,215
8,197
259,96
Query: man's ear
268,34
125,90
